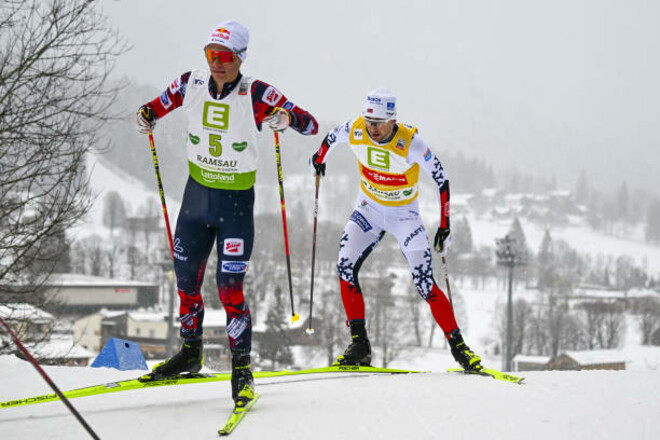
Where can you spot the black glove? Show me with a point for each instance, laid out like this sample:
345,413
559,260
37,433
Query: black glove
145,119
319,168
441,239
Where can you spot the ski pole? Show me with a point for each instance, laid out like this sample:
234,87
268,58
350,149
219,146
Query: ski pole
48,380
280,178
446,273
310,329
162,191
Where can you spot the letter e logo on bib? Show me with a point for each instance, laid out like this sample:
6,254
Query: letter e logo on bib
216,115
378,158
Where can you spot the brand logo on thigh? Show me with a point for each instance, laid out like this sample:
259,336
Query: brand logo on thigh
234,266
233,246
361,221
413,235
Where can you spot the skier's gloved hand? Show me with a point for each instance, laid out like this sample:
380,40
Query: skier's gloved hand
315,166
442,239
279,120
145,119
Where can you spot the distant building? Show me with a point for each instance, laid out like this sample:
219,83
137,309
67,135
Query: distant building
27,321
64,353
76,294
87,330
149,330
530,363
588,360
34,327
84,293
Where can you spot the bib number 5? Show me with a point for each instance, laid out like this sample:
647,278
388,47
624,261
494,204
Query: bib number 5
215,147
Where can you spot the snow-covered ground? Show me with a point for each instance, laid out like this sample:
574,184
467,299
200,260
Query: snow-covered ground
437,405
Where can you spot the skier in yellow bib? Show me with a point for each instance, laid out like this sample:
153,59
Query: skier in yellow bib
390,155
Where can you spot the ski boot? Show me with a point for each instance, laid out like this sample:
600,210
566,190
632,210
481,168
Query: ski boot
359,351
462,353
242,382
188,360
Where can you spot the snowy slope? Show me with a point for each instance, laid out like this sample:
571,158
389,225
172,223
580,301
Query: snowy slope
104,177
551,405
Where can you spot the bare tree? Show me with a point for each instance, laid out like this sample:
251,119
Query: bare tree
648,318
386,324
55,57
415,322
113,254
593,318
330,324
614,326
537,335
603,324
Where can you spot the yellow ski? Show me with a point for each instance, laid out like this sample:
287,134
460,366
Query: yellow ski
241,408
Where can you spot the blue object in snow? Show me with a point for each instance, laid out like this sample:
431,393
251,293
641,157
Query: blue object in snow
122,355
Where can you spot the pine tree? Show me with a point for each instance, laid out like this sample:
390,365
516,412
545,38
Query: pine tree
623,202
545,263
462,242
518,234
114,211
582,189
653,223
276,345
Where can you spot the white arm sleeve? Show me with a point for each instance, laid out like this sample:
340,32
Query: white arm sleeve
340,135
422,154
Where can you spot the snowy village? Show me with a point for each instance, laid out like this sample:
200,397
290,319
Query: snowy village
546,253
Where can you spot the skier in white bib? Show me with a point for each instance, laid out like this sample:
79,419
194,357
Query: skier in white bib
390,155
225,112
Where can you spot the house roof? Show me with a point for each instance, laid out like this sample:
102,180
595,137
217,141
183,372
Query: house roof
80,280
59,350
531,359
24,312
592,357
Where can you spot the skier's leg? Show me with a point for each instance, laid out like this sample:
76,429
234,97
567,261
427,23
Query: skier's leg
411,235
235,242
193,242
359,238
407,227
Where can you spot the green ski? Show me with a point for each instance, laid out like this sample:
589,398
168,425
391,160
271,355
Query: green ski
184,379
506,377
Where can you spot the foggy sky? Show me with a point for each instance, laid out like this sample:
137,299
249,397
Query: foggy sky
557,87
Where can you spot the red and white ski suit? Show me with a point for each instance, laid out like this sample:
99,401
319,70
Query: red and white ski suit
387,202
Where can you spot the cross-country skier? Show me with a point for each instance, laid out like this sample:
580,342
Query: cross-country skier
390,155
225,112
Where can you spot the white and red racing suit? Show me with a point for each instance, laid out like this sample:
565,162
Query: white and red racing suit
387,202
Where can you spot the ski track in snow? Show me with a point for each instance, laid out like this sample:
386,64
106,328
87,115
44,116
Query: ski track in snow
438,405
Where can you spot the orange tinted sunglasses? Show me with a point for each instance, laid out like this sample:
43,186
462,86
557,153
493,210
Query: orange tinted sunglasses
224,56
